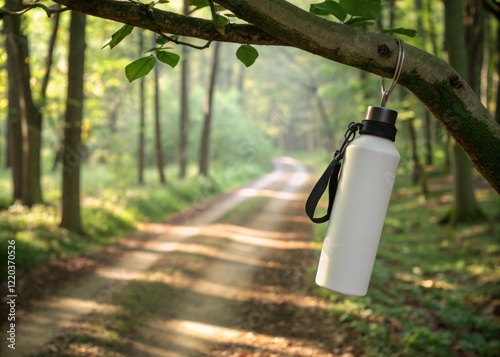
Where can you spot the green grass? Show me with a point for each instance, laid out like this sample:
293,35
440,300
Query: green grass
112,204
434,289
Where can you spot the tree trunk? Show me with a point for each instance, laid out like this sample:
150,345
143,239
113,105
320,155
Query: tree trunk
207,111
184,114
74,151
158,139
465,207
423,35
327,127
418,176
497,109
49,59
142,119
14,122
31,118
474,40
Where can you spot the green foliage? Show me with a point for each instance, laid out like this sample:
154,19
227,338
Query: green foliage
402,31
220,23
433,289
139,68
329,8
110,208
118,36
198,4
169,58
247,54
361,13
368,9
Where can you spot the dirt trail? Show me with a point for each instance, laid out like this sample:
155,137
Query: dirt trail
223,304
211,309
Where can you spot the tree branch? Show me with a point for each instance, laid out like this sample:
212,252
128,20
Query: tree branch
49,11
278,22
492,6
160,21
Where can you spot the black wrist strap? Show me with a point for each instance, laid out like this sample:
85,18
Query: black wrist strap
330,178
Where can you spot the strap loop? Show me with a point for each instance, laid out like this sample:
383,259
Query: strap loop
330,178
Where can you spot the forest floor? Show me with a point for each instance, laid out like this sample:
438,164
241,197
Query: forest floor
226,279
233,277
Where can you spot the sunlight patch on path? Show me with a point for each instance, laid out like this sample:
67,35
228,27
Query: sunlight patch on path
199,335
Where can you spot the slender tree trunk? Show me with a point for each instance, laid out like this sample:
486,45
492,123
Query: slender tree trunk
440,136
50,58
184,115
142,119
31,118
240,84
475,41
207,111
497,109
14,120
158,140
419,8
432,27
327,127
74,151
418,170
465,207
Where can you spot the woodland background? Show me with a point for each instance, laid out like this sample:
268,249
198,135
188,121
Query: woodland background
75,174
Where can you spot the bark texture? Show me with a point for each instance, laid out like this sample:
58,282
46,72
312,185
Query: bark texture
74,152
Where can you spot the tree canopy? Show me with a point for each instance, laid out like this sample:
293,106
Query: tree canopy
280,23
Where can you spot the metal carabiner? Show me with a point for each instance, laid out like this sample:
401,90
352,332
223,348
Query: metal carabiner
397,73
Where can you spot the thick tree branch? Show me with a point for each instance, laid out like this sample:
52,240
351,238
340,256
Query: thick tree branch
278,22
169,22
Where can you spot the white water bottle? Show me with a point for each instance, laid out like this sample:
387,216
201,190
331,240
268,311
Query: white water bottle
363,193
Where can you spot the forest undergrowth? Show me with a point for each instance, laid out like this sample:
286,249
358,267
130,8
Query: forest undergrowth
435,289
111,206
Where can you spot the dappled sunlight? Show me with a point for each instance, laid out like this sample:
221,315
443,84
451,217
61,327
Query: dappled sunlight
195,335
437,283
264,239
283,195
207,251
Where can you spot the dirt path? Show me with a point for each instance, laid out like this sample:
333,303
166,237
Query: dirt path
212,312
230,286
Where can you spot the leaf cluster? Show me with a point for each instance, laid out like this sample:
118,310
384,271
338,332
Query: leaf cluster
358,13
142,66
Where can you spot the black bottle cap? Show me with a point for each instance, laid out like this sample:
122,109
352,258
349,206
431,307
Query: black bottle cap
381,114
380,122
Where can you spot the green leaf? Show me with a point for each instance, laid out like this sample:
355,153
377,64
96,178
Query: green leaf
358,22
198,3
220,23
319,9
369,9
247,54
402,31
329,8
152,49
118,36
139,68
169,58
160,40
